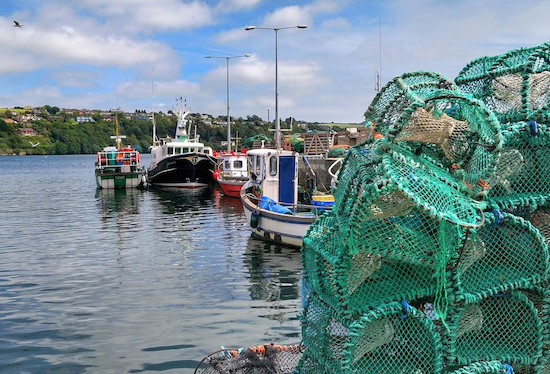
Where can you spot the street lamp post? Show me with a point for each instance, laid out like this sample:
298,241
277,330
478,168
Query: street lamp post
277,120
227,58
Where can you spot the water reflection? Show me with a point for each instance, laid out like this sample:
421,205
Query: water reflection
121,202
275,274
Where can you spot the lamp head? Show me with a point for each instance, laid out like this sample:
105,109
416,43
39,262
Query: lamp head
207,56
250,28
247,55
302,26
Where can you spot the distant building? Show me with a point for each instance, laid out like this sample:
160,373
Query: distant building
81,119
26,131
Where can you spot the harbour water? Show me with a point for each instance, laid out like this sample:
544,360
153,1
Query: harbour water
130,281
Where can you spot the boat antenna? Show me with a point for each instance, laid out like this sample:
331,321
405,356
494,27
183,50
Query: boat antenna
116,127
379,80
153,105
292,108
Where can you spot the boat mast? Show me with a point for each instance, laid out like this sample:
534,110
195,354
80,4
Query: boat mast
116,127
153,107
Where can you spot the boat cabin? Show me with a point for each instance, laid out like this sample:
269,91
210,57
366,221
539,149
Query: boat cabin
274,173
235,165
172,148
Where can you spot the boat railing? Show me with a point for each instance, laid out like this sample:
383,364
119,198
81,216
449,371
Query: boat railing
295,208
113,159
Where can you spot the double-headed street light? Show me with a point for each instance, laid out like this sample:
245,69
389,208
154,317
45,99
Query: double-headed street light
227,58
277,120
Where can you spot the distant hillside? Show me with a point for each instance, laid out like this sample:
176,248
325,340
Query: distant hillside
58,132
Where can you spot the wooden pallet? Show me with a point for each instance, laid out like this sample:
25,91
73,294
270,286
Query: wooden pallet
317,143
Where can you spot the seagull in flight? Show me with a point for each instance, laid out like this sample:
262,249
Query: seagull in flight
17,24
34,145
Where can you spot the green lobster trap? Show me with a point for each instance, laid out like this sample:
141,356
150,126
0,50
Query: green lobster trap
393,338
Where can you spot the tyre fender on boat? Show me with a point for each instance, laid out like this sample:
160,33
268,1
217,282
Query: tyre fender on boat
255,218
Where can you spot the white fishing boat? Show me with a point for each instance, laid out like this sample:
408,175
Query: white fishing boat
181,162
233,174
118,167
270,198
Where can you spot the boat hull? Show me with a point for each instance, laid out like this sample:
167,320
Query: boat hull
276,227
119,180
231,187
190,170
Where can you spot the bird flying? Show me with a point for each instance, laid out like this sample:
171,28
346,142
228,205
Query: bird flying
34,145
17,24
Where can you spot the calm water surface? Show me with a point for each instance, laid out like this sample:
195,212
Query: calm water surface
133,281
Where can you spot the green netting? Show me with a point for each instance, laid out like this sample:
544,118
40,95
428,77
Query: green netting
353,282
521,178
515,85
506,253
421,110
263,359
503,327
388,107
540,218
386,340
489,367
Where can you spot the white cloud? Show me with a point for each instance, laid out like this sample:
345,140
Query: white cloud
296,15
65,45
153,14
236,5
336,23
231,36
77,78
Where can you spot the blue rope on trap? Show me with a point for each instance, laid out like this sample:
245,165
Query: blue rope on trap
498,217
534,127
406,308
509,369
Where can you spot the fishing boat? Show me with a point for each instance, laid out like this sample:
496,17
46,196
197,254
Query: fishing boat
270,198
118,167
233,174
181,162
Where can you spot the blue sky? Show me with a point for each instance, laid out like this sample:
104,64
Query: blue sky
102,53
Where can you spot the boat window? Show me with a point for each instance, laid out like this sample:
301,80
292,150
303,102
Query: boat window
237,164
207,151
185,150
227,165
170,150
251,164
258,170
273,166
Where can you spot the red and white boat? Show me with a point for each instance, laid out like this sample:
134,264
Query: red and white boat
234,173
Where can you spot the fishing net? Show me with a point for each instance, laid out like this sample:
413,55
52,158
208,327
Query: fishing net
504,327
540,218
521,178
263,359
427,211
392,338
353,282
506,253
489,367
426,114
515,85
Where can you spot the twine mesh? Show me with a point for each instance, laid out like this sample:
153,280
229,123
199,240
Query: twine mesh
384,340
266,359
515,85
489,367
510,331
521,178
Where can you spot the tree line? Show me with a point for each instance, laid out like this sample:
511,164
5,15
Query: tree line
65,136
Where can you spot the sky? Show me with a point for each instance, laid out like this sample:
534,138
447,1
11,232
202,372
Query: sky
103,54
